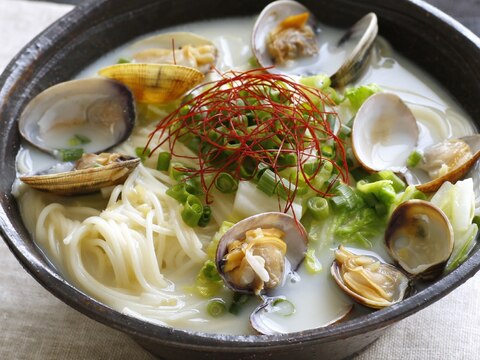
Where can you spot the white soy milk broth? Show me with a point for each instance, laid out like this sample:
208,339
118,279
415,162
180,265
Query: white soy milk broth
317,299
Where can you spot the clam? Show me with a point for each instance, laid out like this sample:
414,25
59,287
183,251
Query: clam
179,48
88,174
265,318
368,280
419,237
257,253
384,133
286,39
154,83
449,160
100,111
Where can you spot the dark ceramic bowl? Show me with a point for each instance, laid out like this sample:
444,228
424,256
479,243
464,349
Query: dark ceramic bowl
425,35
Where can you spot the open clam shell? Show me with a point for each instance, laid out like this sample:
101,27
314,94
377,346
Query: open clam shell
360,39
368,280
419,237
384,133
294,236
101,109
154,83
191,50
456,172
365,31
266,319
69,180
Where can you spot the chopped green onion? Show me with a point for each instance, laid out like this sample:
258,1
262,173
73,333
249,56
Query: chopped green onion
261,167
285,188
216,308
321,81
311,168
70,154
327,151
318,207
193,185
239,300
268,182
312,263
331,120
78,139
283,307
382,189
225,183
288,159
123,60
351,159
333,95
206,215
414,158
345,131
346,197
192,211
397,183
358,95
208,281
163,161
209,271
248,168
359,173
177,171
178,192
253,63
142,153
184,110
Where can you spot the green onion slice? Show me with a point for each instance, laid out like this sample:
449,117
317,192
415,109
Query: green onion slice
192,211
225,183
216,308
282,307
318,207
163,161
70,154
79,139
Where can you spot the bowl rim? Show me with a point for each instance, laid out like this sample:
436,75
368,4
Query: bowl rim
138,328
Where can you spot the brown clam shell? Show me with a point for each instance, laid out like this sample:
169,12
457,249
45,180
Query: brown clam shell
84,181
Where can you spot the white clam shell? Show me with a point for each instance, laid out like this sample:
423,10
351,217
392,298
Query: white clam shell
384,133
96,103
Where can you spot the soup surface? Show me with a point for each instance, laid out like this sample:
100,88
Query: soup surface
128,246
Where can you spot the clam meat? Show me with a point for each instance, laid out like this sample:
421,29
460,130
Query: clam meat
257,253
286,39
368,280
419,237
292,38
99,113
449,160
88,174
154,83
178,48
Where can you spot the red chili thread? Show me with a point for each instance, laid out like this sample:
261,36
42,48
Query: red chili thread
295,125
